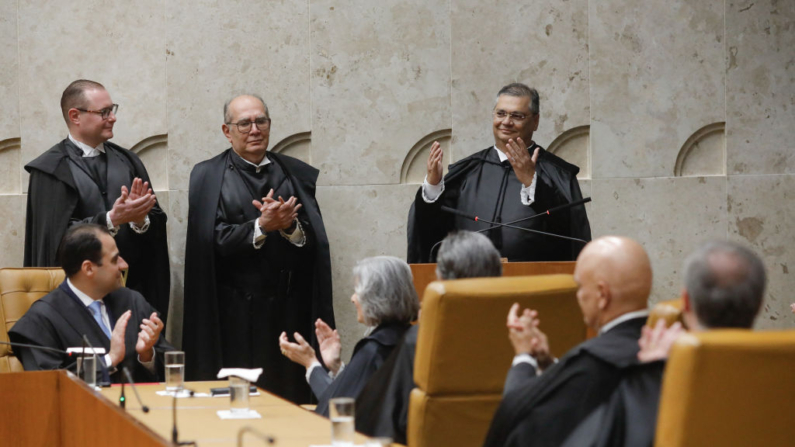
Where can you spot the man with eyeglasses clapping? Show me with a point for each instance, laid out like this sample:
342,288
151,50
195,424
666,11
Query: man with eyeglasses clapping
87,179
514,179
256,257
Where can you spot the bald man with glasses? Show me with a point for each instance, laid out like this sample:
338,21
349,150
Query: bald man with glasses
87,179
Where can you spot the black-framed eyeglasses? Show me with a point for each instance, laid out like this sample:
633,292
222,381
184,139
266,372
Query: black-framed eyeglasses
515,116
104,113
245,125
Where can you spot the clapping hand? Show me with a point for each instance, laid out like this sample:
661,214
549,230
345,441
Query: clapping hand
526,337
656,343
330,346
277,214
147,338
300,352
134,204
435,168
523,164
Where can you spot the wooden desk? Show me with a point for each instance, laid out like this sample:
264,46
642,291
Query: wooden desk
197,420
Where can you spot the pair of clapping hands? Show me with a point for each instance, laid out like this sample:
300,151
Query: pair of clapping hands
277,214
147,338
133,204
527,338
302,353
524,165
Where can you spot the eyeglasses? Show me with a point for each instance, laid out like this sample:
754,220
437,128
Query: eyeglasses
104,113
245,125
515,116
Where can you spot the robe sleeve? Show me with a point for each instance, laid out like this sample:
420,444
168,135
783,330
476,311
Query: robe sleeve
36,330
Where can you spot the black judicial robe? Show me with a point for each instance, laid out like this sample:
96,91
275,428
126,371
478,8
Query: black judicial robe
369,355
629,418
544,410
382,407
63,191
238,299
481,185
59,320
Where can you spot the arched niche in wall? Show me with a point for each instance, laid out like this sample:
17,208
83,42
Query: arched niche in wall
416,161
153,152
296,145
572,146
9,166
704,153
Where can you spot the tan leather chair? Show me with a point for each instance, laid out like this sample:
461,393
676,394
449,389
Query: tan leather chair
19,288
729,388
463,352
670,311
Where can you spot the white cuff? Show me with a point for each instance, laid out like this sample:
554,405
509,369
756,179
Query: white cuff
315,364
528,193
259,236
334,375
143,228
111,228
431,193
150,365
298,238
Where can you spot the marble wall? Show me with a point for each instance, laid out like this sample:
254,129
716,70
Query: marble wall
680,112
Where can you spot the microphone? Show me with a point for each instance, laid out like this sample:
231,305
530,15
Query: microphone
249,429
105,371
174,432
43,348
135,390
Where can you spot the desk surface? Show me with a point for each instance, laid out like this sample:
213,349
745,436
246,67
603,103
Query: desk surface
198,421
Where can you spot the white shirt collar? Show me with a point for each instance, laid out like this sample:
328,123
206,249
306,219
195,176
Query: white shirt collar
85,299
264,161
622,318
88,151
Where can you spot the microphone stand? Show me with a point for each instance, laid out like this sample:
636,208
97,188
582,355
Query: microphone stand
127,374
174,432
43,348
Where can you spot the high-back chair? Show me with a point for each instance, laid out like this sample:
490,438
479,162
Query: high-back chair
19,288
463,352
729,388
670,311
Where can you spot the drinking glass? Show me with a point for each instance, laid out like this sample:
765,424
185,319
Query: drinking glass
238,394
341,412
175,371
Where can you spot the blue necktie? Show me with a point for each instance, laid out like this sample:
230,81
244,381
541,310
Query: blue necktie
95,309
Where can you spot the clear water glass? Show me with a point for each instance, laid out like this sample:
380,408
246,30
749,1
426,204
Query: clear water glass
341,413
175,370
238,394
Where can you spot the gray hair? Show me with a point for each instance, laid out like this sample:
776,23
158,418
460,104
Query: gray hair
465,254
386,290
228,116
726,284
519,90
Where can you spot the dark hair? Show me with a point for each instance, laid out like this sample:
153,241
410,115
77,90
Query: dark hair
726,284
75,95
80,243
519,90
228,116
465,254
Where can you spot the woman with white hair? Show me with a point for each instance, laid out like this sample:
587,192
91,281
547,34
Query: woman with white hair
387,303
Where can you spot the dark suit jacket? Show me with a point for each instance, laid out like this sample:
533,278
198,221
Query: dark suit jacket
544,410
59,320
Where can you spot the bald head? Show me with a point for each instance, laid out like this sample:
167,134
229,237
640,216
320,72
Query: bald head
614,277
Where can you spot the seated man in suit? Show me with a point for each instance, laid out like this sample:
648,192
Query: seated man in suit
382,406
545,399
724,288
91,302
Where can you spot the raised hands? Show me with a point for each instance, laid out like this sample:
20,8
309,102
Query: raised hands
330,346
117,347
300,352
277,214
656,343
524,166
147,338
435,168
526,337
134,204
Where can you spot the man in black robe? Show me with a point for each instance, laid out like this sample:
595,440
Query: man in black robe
91,302
724,288
544,399
87,179
382,407
512,180
256,265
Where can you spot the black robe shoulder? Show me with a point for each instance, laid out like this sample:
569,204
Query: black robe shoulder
201,330
52,199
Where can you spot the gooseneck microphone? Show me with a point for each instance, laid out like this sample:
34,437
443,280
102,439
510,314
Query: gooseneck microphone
174,432
127,374
42,348
105,370
249,429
